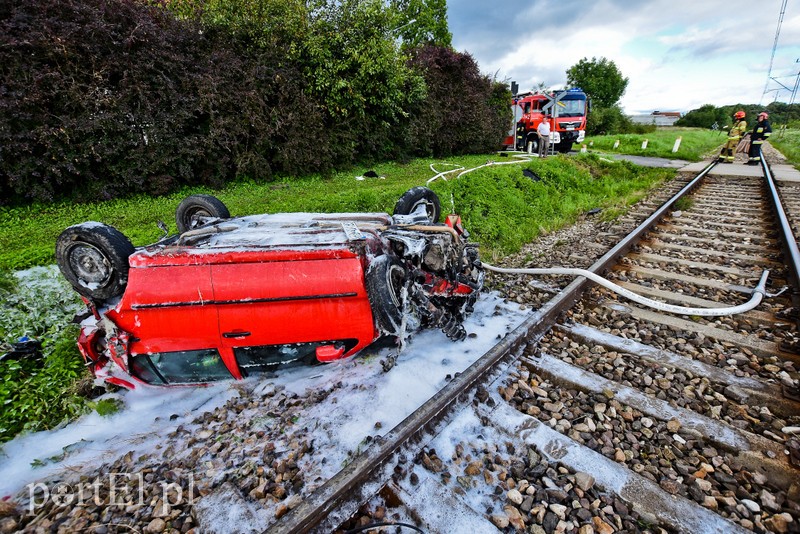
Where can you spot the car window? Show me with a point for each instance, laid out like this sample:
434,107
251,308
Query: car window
142,369
255,360
181,367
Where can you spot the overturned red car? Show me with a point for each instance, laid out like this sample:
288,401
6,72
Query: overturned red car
230,297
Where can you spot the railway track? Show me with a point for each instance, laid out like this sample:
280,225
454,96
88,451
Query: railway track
595,415
599,415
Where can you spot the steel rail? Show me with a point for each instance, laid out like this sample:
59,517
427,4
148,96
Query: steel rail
788,239
348,483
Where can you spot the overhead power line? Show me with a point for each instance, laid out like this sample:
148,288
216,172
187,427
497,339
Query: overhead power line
774,47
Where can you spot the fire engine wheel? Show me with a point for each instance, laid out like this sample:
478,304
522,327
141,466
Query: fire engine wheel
194,211
417,197
93,257
385,280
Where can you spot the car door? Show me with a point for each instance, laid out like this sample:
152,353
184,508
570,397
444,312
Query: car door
277,308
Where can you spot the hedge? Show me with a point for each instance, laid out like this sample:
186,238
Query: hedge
107,98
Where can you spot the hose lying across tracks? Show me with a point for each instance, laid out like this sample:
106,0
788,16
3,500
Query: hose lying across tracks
758,293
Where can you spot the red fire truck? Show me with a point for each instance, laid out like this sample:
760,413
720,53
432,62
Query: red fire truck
566,110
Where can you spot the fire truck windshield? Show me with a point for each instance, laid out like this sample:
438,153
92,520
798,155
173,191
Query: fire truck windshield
571,108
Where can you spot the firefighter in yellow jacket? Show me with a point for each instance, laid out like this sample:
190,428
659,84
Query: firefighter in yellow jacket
735,134
761,132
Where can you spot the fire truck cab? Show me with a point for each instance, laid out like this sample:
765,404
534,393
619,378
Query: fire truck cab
566,110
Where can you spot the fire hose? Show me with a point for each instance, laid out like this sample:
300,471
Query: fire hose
758,293
521,158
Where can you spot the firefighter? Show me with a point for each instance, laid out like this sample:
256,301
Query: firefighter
761,132
735,134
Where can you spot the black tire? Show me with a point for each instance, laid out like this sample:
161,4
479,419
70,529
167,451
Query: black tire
193,209
385,279
415,197
93,257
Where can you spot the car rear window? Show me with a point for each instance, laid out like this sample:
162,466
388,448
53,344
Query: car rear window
181,367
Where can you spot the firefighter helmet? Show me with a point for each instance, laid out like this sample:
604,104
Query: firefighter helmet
738,115
763,115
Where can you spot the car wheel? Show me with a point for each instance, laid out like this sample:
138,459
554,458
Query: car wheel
194,209
385,280
416,197
93,257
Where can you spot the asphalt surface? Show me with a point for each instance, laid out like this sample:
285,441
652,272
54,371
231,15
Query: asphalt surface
646,161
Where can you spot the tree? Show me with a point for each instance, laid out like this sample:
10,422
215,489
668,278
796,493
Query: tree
704,117
600,79
464,112
422,22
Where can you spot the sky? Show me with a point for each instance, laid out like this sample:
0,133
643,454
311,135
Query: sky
677,54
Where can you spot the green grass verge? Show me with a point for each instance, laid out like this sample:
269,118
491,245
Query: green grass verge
38,395
501,208
788,143
696,143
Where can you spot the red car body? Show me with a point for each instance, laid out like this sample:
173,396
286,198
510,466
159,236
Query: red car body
244,295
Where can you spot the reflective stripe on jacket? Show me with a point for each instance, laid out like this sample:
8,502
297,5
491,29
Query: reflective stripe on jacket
761,131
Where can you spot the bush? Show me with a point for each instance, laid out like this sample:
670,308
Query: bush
612,120
465,112
197,92
705,116
147,104
605,120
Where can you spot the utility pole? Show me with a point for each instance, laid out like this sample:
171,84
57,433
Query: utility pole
774,47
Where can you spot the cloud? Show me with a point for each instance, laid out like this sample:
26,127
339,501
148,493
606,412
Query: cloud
678,54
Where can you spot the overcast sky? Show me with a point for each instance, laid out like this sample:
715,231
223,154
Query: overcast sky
678,54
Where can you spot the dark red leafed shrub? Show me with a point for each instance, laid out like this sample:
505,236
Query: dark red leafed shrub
104,98
100,98
465,111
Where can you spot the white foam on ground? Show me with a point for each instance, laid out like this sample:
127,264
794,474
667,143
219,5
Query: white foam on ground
339,425
92,439
372,397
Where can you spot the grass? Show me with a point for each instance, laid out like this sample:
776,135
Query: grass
788,143
39,394
696,143
501,207
683,204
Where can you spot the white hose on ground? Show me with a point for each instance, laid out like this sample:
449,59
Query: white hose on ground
758,293
521,158
443,173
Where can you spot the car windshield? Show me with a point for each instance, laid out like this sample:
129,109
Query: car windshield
571,108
